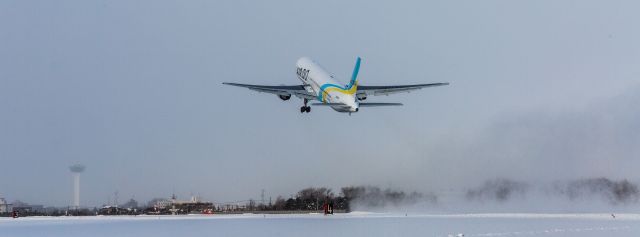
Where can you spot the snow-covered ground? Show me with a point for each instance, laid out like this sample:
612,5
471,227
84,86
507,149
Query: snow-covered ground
352,224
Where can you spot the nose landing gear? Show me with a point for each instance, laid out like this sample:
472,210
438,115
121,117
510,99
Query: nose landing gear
305,108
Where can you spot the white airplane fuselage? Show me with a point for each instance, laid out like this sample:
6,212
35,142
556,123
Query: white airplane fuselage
326,88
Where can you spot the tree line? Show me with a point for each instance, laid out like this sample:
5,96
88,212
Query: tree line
312,199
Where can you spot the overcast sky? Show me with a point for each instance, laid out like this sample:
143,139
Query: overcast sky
540,90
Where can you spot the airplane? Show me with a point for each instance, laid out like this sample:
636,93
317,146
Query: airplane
320,85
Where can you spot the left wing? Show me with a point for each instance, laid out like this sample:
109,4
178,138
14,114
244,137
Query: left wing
298,90
364,91
362,104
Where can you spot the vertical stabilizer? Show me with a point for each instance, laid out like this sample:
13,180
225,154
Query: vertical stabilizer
354,76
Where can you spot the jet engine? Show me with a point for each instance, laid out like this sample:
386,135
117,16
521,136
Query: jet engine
284,97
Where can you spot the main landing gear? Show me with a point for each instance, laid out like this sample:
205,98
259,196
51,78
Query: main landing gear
305,108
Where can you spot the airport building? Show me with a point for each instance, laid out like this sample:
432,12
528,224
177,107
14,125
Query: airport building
27,208
5,207
175,206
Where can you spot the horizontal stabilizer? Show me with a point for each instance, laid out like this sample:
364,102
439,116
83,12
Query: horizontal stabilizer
361,104
329,104
379,104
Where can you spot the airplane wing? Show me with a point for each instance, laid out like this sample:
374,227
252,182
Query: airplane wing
297,90
379,104
362,104
364,91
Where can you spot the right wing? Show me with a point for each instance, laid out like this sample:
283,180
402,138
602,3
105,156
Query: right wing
364,91
365,104
298,90
362,104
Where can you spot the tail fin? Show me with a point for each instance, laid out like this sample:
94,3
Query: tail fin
354,76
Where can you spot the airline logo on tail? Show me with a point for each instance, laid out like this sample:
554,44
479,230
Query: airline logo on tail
350,89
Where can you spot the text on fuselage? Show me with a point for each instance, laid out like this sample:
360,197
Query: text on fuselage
303,73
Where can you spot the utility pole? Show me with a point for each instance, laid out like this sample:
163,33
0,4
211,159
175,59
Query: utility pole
115,199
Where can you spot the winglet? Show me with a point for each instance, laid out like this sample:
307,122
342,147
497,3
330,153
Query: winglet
354,76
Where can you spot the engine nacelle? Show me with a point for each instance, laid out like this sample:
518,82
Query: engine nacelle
362,97
284,97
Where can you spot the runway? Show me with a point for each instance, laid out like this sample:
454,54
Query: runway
351,224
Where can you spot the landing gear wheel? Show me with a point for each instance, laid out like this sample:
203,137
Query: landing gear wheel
305,108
